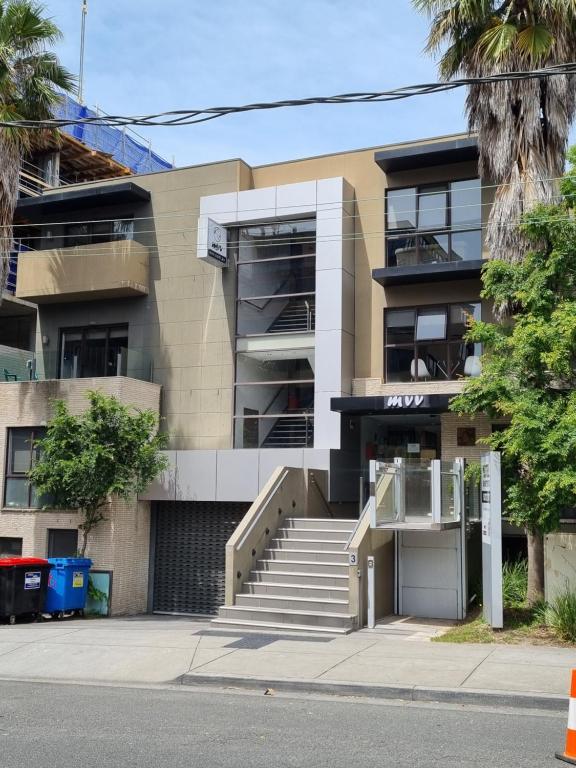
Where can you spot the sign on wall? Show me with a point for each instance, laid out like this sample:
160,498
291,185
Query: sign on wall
491,506
212,242
217,244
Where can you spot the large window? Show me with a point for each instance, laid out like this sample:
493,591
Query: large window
93,351
276,286
98,232
434,224
426,343
22,455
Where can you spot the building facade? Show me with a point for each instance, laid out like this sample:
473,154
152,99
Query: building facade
330,332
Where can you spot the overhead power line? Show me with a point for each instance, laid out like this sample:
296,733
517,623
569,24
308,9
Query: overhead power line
193,116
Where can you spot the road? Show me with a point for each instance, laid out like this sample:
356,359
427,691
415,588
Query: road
66,726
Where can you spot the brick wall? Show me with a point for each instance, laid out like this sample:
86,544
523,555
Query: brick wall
121,543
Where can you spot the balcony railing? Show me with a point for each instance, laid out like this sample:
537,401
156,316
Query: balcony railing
408,249
26,365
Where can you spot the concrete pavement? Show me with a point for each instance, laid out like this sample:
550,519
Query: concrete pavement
392,662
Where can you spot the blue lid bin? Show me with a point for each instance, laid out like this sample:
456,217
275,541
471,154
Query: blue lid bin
67,585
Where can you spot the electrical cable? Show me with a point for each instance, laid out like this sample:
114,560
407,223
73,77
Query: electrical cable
194,116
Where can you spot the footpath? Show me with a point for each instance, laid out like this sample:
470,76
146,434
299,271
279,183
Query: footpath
396,661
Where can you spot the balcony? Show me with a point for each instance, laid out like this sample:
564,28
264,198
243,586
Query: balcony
109,270
18,365
429,257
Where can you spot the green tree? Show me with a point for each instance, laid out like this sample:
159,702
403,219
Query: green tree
30,77
109,450
522,125
529,378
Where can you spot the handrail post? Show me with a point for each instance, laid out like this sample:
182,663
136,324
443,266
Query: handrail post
436,490
400,489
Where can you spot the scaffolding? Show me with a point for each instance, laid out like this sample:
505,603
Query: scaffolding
123,144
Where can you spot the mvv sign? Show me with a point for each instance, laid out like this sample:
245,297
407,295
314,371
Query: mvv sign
405,401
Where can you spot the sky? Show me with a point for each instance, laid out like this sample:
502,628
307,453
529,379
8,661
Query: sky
145,56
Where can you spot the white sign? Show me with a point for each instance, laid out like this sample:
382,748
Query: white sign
413,448
32,580
217,244
491,539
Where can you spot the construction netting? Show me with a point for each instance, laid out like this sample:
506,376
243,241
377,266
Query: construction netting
124,145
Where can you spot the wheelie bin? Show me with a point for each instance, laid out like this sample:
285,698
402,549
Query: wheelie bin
23,585
67,585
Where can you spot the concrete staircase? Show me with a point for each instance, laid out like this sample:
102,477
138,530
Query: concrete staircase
301,583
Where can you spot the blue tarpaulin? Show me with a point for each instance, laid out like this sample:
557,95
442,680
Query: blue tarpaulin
121,144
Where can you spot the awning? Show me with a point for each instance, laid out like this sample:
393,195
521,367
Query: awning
390,404
412,156
70,199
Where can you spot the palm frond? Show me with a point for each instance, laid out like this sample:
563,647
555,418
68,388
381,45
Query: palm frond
497,41
535,43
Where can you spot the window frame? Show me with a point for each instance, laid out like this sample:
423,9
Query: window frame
84,330
448,341
417,232
36,432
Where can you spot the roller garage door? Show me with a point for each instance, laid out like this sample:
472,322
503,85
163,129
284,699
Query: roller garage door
189,554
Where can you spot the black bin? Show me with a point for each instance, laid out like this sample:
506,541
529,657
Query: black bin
23,585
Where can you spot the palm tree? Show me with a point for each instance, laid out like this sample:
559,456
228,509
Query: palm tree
30,80
522,125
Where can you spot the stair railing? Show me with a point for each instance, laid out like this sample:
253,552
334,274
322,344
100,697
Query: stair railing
283,494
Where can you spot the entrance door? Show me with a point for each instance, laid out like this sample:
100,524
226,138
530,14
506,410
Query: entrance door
189,555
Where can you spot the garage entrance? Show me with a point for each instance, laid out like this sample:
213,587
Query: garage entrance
188,550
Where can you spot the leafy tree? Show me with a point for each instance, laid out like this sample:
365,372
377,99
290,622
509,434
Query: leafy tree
529,374
30,77
110,449
522,125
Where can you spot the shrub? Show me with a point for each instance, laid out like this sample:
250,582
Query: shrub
514,583
560,615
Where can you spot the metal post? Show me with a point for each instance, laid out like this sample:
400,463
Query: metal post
436,490
371,587
459,465
372,479
82,36
400,489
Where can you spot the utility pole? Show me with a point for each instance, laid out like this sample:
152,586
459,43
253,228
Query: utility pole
82,34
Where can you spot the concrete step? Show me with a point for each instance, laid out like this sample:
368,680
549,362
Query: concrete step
287,617
325,523
287,589
318,567
237,624
282,603
310,555
315,534
316,545
300,578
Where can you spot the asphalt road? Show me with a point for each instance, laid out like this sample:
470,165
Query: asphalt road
66,726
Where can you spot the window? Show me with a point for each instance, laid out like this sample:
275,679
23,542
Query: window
426,343
98,232
433,224
93,351
22,455
62,542
465,437
276,277
10,546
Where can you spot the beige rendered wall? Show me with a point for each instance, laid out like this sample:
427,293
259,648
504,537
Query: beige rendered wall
186,323
370,183
559,563
121,543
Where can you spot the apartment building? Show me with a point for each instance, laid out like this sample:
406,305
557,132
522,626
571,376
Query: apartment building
306,314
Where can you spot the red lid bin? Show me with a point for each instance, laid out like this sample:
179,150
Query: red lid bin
23,585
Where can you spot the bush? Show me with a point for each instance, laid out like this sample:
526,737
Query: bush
560,615
515,583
